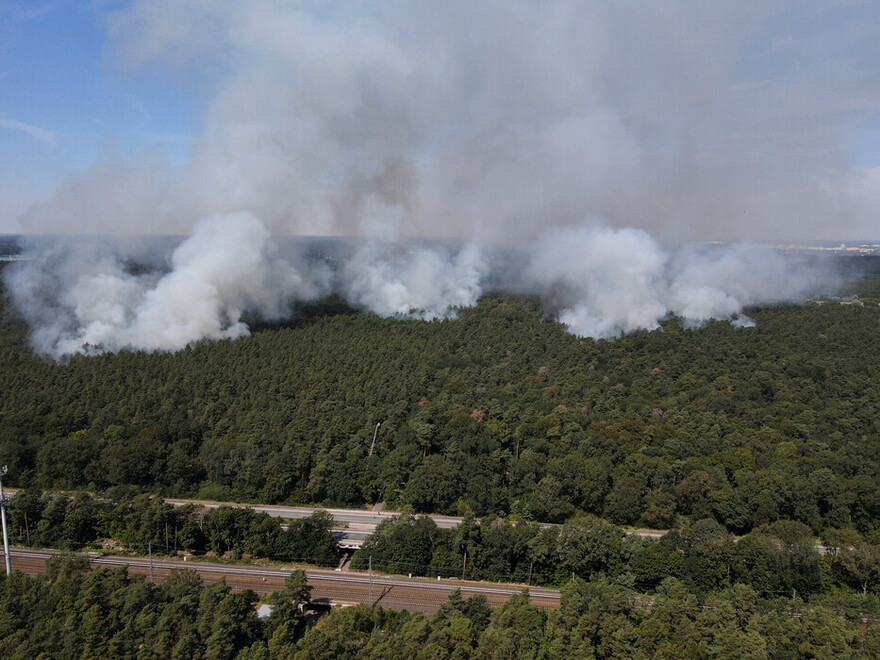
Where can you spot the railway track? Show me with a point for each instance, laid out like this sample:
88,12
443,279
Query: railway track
328,586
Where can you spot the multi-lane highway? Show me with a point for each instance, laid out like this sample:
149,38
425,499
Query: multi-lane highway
353,526
331,587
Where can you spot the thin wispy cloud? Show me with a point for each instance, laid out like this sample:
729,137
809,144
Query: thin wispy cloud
43,135
30,11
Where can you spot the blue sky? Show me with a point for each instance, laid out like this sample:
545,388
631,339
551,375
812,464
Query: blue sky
692,120
65,101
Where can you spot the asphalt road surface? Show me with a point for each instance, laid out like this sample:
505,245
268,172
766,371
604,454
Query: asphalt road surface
341,516
330,587
352,526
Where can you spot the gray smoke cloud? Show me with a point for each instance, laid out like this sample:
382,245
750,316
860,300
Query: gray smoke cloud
497,123
716,282
496,120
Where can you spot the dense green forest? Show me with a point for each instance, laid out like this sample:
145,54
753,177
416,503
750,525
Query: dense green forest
74,612
753,444
780,558
497,412
776,559
601,620
122,520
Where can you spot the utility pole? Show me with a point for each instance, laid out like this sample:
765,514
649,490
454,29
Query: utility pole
375,432
6,555
371,580
150,552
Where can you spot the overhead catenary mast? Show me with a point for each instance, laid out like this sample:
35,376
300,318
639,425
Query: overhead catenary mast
373,445
6,555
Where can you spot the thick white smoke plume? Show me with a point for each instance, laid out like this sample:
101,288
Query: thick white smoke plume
605,282
418,282
86,302
599,282
80,296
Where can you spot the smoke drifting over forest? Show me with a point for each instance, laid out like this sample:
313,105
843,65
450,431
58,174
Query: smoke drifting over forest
593,140
606,282
82,296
